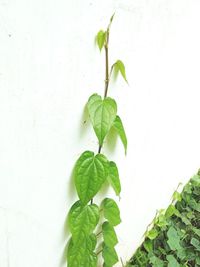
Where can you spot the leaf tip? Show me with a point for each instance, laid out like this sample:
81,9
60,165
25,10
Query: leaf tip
112,17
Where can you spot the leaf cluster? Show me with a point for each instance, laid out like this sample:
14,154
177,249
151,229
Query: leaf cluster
174,238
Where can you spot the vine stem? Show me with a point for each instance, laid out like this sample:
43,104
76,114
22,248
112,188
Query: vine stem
99,234
122,262
99,252
107,69
107,77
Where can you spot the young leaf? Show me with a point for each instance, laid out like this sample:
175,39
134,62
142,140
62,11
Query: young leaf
82,220
176,196
118,126
100,39
170,211
102,115
152,234
113,177
111,19
90,173
111,211
109,235
109,255
109,25
83,254
161,221
118,66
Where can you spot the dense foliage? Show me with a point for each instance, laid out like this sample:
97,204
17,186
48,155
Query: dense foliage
173,239
91,172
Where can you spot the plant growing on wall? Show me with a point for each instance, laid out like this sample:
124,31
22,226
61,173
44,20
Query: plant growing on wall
173,239
91,172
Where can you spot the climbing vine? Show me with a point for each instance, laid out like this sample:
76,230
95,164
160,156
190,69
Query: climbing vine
91,172
173,237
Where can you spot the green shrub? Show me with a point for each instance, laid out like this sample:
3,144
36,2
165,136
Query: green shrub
173,239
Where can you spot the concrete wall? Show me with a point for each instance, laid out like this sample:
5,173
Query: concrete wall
49,66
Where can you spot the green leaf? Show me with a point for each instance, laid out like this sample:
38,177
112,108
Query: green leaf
194,205
100,39
119,67
178,240
172,262
196,243
82,255
161,221
152,234
198,260
109,25
185,220
173,239
156,262
82,220
118,126
148,245
196,180
170,211
90,173
109,255
69,249
102,115
111,211
89,241
196,231
113,177
176,196
109,235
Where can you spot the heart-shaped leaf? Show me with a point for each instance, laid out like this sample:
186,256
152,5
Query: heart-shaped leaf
82,220
90,173
83,254
102,115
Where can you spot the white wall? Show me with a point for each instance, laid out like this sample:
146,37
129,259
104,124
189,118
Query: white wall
49,67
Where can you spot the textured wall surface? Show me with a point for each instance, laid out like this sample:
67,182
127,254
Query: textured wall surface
49,66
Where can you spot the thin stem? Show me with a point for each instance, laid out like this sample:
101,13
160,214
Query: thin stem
107,77
99,234
122,262
107,71
99,149
99,252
